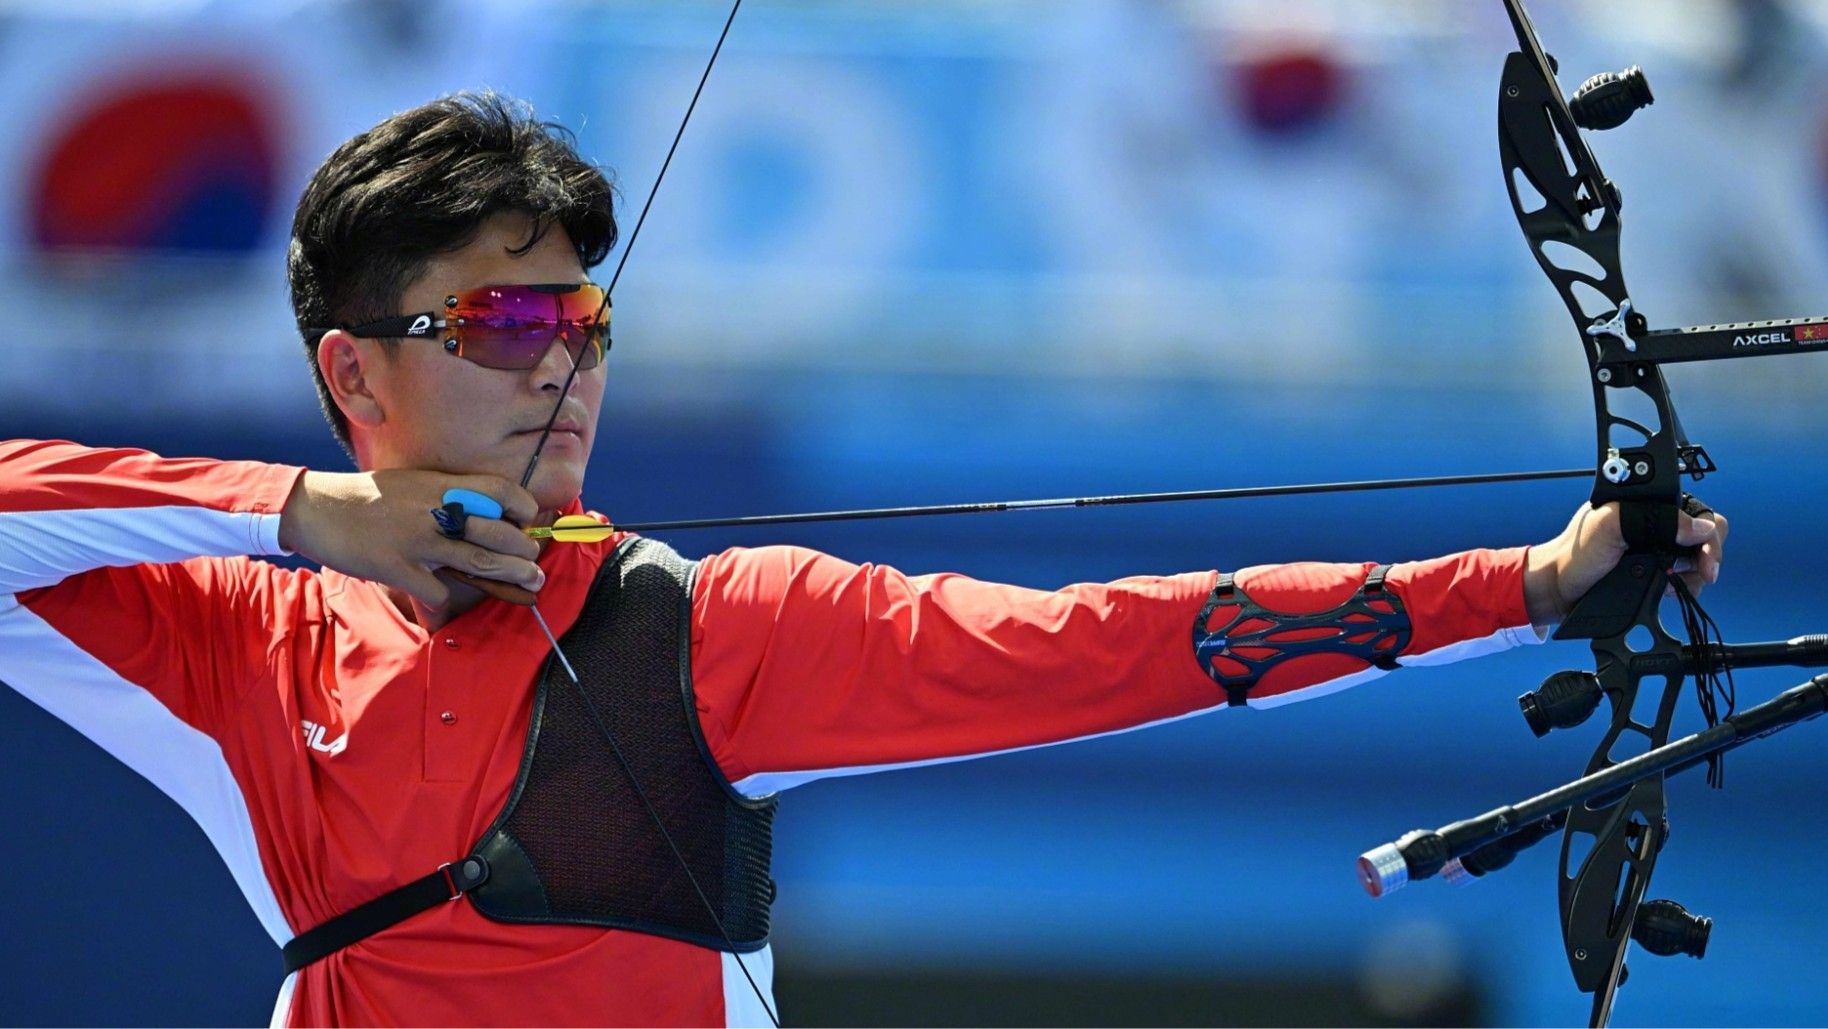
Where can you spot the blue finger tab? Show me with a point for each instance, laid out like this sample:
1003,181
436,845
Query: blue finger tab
474,503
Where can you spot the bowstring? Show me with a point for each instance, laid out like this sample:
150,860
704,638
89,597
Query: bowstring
596,718
635,233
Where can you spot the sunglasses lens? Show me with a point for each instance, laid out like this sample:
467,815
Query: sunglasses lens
515,326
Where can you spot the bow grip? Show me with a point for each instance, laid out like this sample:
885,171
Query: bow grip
1612,606
1649,525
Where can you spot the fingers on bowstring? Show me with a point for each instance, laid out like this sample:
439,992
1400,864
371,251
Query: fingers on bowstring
501,537
488,564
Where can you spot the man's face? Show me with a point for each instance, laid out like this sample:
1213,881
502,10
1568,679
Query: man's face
439,411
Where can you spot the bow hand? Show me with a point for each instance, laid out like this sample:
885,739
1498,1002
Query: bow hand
1562,570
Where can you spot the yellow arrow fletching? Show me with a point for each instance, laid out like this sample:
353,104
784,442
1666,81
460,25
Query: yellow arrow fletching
573,529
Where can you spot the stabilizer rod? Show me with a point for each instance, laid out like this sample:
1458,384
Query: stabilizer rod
1421,854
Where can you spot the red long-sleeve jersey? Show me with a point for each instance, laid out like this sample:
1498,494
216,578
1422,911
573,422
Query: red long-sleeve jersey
332,749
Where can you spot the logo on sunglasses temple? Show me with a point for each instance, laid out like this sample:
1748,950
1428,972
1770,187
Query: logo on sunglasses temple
420,326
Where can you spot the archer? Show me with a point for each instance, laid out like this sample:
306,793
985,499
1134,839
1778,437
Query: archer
363,739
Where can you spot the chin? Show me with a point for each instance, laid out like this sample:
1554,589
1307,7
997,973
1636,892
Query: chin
557,484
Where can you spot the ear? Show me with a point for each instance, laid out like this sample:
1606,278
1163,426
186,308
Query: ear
349,366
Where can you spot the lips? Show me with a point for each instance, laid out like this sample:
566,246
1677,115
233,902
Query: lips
562,425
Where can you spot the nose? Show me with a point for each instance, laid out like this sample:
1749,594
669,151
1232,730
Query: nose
554,368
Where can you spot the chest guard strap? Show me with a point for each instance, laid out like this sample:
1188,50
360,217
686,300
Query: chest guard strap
575,843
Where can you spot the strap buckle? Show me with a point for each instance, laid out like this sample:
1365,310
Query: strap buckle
469,873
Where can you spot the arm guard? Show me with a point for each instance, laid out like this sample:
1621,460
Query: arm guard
1237,640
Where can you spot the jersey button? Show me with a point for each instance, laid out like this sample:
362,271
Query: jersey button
448,718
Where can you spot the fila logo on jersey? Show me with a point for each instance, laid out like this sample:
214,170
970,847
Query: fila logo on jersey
314,738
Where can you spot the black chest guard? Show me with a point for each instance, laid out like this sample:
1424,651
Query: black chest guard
575,844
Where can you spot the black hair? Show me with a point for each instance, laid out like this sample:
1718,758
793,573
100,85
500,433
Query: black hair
421,184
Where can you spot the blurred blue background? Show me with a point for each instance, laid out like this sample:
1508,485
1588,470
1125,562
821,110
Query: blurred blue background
931,251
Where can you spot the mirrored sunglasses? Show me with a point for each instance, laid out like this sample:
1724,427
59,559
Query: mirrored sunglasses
509,327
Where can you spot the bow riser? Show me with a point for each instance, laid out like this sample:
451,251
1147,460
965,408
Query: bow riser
1608,853
1617,844
1578,210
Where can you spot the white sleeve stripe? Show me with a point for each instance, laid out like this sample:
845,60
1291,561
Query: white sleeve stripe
762,784
742,1008
282,1005
42,548
263,536
1503,639
1324,688
130,724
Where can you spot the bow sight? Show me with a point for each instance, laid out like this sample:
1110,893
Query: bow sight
1613,820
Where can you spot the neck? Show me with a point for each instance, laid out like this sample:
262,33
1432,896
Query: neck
431,619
